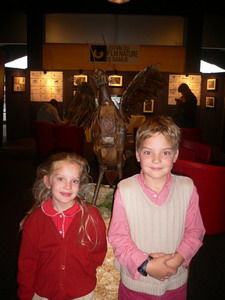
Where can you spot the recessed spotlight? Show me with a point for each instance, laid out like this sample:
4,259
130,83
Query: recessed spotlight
119,1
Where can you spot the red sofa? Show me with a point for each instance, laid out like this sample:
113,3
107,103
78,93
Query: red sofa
187,154
194,134
203,151
210,183
51,138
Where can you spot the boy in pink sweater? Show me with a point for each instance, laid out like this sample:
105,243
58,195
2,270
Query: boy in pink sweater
156,226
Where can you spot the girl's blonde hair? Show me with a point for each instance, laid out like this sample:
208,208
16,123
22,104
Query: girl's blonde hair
159,124
41,193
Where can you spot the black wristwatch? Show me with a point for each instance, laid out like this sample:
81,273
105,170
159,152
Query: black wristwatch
142,268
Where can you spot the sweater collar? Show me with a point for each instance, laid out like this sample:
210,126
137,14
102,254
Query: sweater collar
47,208
142,181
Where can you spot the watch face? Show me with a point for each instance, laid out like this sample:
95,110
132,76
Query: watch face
142,268
143,272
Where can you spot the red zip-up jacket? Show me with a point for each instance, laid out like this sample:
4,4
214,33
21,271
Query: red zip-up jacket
55,267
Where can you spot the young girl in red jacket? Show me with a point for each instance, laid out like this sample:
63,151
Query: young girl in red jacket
64,238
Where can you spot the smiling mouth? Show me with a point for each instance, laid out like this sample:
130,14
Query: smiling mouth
65,194
156,168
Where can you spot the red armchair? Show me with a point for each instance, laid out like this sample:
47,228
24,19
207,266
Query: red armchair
210,183
69,138
44,137
203,151
51,138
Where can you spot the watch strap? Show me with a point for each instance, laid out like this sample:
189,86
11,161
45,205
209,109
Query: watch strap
142,268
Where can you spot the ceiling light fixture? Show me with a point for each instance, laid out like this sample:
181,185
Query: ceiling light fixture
119,1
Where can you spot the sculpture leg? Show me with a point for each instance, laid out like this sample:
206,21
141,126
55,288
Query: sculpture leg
120,170
100,177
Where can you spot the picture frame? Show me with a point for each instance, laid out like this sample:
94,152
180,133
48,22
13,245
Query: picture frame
211,84
115,80
19,84
80,78
210,102
148,106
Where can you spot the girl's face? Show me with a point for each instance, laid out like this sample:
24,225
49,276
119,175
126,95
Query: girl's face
64,184
156,157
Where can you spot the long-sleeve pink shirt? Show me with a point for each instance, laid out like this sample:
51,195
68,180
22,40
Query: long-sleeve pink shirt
127,252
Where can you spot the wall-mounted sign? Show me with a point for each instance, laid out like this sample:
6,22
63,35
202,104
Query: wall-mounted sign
115,53
45,86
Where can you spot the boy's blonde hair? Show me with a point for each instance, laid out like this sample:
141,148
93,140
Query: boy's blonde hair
159,124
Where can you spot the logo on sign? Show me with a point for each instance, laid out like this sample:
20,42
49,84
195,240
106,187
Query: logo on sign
98,53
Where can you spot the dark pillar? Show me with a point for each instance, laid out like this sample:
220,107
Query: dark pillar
193,43
35,38
1,94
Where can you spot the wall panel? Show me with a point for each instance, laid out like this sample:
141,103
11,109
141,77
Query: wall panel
72,56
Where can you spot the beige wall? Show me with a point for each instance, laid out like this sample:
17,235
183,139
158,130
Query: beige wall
109,28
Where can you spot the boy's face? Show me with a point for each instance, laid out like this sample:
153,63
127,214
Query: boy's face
156,157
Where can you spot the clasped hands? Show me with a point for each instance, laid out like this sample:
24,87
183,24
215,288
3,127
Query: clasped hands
164,265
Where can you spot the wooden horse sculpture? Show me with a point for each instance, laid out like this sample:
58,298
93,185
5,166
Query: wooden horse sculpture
107,122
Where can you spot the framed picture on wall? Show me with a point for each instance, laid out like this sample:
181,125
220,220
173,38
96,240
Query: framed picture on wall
148,106
79,78
116,80
211,84
19,84
210,102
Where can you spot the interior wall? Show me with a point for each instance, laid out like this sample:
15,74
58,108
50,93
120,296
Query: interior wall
17,106
110,29
213,32
21,111
212,119
13,27
77,56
